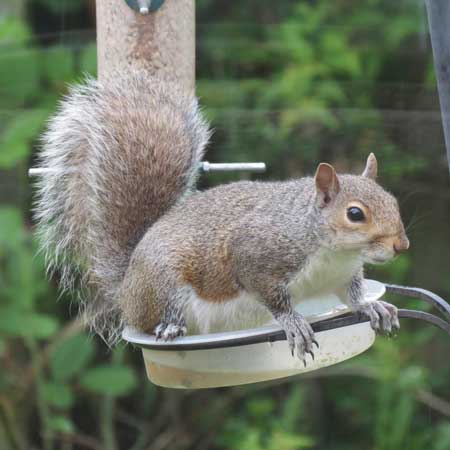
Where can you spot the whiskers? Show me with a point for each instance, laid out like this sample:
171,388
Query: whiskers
416,220
412,226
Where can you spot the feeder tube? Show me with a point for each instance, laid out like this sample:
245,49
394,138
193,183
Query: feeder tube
161,42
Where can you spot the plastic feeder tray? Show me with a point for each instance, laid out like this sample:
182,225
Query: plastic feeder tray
248,356
259,354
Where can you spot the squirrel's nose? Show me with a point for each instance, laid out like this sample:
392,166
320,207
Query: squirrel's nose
400,245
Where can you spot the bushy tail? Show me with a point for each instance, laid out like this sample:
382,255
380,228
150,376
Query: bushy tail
119,155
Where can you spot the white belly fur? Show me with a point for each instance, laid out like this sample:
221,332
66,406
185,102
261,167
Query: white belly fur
325,273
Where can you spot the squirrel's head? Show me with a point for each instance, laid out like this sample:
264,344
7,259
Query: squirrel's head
361,215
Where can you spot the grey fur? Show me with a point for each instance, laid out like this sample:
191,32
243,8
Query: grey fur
150,245
135,144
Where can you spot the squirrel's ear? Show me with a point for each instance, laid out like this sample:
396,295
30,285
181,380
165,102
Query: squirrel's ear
371,169
327,183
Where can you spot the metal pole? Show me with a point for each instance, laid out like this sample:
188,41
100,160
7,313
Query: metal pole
205,166
439,24
161,42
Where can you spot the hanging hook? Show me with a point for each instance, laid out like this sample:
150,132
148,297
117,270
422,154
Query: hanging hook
144,6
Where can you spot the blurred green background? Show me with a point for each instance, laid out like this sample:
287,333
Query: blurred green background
291,83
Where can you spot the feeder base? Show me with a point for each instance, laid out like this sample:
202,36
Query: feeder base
252,363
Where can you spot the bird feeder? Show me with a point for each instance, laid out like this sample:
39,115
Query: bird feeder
258,354
247,356
261,354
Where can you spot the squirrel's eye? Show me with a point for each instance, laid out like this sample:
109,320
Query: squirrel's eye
355,214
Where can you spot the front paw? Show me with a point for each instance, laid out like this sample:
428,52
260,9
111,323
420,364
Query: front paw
169,331
299,334
382,315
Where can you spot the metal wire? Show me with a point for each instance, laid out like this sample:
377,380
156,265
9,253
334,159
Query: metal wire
422,294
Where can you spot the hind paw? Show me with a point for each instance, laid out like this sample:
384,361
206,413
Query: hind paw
169,331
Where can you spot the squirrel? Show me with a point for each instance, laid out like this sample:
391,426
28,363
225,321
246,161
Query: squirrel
118,205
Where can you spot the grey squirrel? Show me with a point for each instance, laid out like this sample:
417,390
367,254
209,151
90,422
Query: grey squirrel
119,207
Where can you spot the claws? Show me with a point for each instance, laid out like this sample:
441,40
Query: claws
299,335
383,316
170,331
396,324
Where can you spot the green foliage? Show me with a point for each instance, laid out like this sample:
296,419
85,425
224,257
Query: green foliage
288,83
109,380
13,31
58,65
19,77
61,424
88,60
19,134
71,356
18,317
259,429
57,394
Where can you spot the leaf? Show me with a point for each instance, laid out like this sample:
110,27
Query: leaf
61,424
15,322
88,60
109,380
250,441
293,408
71,356
15,142
19,77
442,437
40,326
261,407
12,31
58,64
11,224
57,394
289,441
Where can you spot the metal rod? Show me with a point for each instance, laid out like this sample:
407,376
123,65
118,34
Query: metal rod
230,167
439,25
39,171
422,294
205,167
